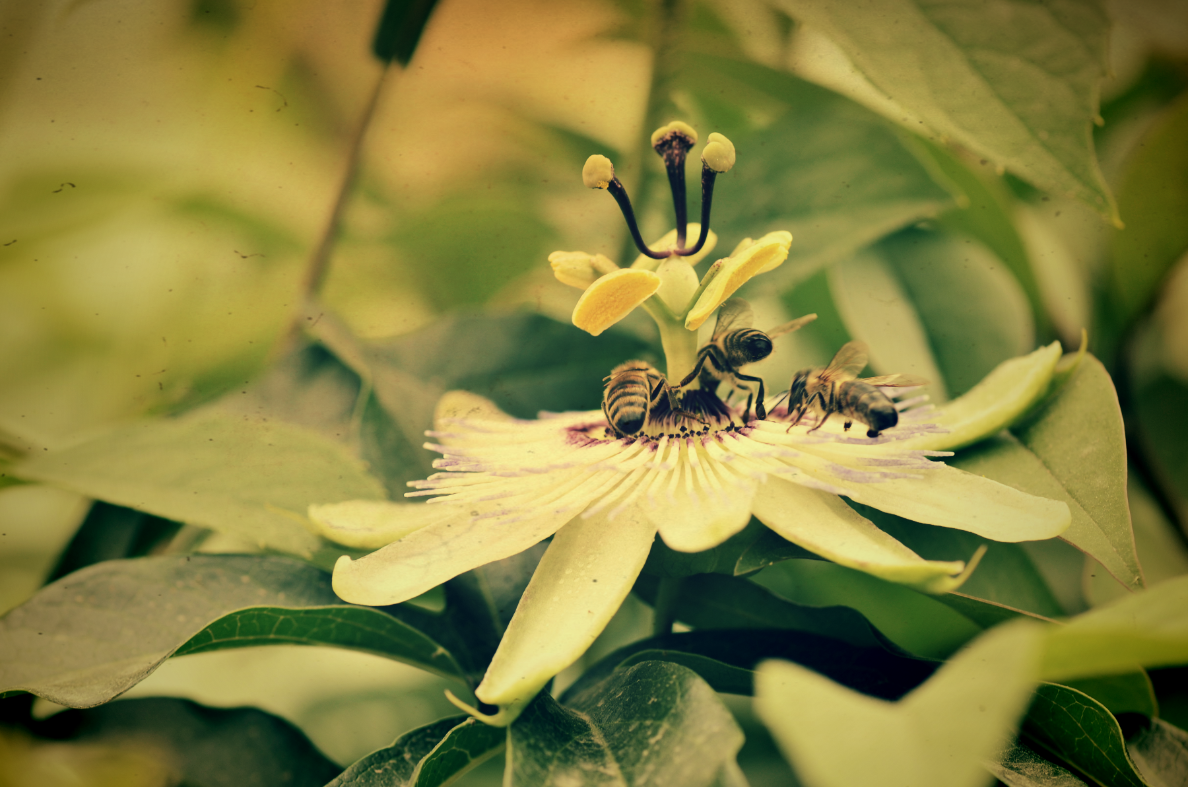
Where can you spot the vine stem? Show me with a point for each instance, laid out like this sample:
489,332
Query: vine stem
319,261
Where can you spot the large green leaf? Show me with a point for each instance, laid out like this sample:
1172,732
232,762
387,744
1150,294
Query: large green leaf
1016,82
726,659
1080,731
938,735
918,623
96,633
830,172
653,723
203,747
1079,439
710,601
1147,629
1153,200
1019,766
255,480
428,756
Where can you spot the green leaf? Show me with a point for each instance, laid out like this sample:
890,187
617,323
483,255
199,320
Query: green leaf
1079,730
974,313
96,633
428,756
1126,692
825,169
109,533
1161,754
917,622
255,480
1019,766
965,74
1153,199
1079,439
726,659
709,601
652,723
936,736
1006,574
1147,629
204,747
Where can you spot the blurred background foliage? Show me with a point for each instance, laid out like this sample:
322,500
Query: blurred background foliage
169,168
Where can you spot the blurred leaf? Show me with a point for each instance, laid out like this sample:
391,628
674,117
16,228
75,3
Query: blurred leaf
974,313
937,736
710,601
726,659
1162,422
1147,629
470,245
986,213
253,479
1019,766
205,747
1153,200
109,533
918,623
827,170
1006,574
1079,438
1161,754
428,756
400,29
522,362
878,310
754,547
653,723
1080,731
94,634
1024,101
1126,692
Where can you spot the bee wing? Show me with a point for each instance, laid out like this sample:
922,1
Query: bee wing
794,325
850,360
735,313
896,380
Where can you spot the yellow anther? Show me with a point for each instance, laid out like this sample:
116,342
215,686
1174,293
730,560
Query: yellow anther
598,172
612,297
677,127
718,154
579,269
765,254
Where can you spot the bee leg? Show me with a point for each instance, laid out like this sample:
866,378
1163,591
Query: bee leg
675,406
697,367
760,411
822,421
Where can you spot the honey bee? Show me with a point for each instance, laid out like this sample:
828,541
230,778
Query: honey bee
735,344
631,392
836,389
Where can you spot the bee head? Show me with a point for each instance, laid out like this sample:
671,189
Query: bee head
756,346
796,390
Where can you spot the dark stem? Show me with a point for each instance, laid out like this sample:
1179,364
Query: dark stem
664,612
707,197
676,178
319,262
620,194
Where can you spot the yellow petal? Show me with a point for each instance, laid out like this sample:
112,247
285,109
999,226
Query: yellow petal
612,297
765,254
579,269
575,590
371,524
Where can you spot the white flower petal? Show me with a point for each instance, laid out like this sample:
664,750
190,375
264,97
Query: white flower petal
422,560
701,502
953,498
582,579
823,524
371,524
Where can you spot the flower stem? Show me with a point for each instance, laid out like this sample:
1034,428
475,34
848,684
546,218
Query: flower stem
680,346
664,612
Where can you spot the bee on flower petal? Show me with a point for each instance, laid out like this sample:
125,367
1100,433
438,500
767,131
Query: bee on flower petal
734,344
836,389
631,391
